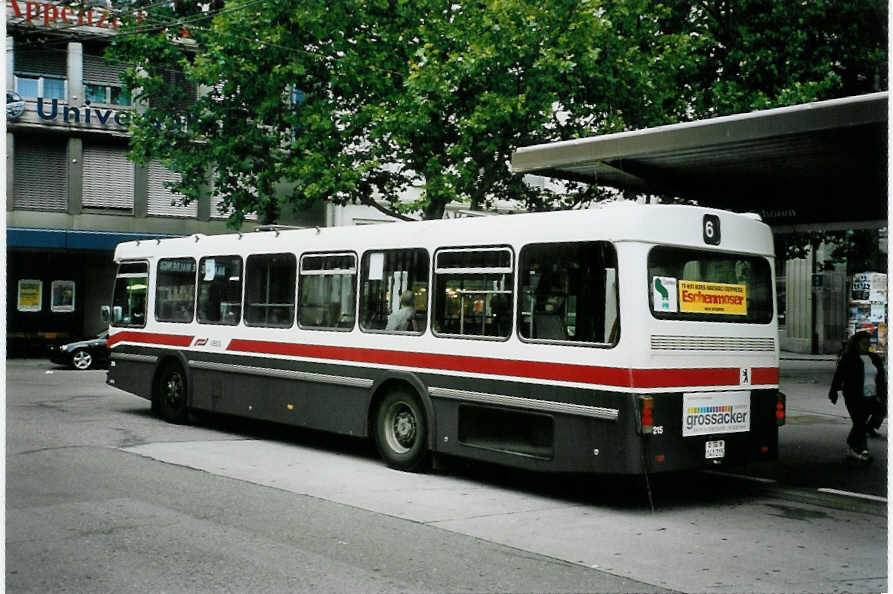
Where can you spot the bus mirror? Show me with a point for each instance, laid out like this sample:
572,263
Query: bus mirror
117,314
105,314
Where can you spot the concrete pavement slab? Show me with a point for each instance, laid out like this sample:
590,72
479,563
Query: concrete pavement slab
792,542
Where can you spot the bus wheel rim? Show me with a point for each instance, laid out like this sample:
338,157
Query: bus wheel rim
174,389
82,360
401,428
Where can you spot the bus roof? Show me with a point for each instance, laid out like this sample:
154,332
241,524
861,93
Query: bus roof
617,221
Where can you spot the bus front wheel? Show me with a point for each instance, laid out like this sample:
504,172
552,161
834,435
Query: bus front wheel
170,394
401,431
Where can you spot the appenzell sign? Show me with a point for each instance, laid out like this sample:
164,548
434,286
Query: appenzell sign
56,15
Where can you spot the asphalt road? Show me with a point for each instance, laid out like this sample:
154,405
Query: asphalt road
103,497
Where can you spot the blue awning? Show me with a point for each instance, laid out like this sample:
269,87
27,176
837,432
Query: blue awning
21,237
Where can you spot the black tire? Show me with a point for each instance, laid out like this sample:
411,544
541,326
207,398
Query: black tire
82,359
171,394
401,432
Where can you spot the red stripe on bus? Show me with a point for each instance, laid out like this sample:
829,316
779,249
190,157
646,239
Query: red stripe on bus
677,378
586,374
765,375
151,338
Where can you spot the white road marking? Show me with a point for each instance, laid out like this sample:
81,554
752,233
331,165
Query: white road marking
851,494
755,479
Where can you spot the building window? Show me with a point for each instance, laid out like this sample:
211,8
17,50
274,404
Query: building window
270,290
30,295
175,290
62,296
569,292
129,298
328,291
473,292
394,295
34,85
106,94
220,290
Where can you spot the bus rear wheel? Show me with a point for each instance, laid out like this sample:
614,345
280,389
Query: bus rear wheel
401,431
170,394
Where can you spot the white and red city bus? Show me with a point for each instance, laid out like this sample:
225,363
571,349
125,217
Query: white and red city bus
623,339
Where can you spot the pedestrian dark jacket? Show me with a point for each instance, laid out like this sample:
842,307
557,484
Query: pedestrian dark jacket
849,376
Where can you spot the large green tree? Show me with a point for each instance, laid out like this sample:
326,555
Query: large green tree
361,100
758,54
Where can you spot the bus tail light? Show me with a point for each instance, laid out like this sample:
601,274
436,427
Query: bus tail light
646,416
780,409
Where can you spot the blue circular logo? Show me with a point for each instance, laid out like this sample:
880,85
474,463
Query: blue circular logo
15,105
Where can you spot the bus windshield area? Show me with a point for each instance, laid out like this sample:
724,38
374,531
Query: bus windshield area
705,286
129,299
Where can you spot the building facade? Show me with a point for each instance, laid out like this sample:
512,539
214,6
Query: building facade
72,194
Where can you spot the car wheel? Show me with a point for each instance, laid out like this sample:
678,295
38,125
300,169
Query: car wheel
401,431
82,359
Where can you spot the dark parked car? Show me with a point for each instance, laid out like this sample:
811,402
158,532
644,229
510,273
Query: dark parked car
89,353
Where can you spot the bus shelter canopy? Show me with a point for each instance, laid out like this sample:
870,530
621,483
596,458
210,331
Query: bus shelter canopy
821,163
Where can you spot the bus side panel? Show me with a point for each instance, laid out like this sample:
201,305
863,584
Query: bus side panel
542,440
273,390
133,376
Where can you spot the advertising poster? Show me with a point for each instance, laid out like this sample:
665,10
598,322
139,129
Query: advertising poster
62,296
712,298
30,295
867,310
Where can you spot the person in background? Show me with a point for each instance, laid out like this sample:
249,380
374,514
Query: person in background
403,318
860,374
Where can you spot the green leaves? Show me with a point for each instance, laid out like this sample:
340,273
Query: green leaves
420,96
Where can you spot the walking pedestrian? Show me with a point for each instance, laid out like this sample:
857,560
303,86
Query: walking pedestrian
860,375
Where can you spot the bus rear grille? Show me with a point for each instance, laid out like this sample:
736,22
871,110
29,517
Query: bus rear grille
710,343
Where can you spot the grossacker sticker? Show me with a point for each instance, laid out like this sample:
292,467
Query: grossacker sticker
709,413
712,298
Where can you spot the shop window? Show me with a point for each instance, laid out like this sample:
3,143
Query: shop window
129,298
328,291
270,290
220,290
473,292
394,295
62,296
30,295
175,290
569,292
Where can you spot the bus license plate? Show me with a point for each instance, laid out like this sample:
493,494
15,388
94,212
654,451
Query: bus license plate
715,449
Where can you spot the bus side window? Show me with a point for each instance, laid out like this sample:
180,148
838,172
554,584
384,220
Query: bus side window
394,291
220,290
327,291
270,290
175,290
473,292
569,292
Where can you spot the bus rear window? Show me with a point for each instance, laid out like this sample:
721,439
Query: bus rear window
705,286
